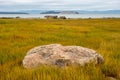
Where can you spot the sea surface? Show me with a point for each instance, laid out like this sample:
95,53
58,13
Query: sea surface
67,15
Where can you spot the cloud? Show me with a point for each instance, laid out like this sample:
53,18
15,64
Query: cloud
59,4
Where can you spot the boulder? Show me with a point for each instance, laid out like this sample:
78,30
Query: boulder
51,17
58,55
62,17
111,78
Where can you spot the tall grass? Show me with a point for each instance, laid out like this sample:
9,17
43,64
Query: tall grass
17,36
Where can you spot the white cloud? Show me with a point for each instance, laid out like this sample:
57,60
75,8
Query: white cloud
59,4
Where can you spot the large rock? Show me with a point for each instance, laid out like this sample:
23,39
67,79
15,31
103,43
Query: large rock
51,17
56,54
62,17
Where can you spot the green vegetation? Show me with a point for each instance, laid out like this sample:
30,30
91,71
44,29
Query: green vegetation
17,36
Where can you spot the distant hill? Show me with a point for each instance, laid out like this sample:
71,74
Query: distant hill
100,12
60,12
68,12
72,11
13,13
63,12
50,12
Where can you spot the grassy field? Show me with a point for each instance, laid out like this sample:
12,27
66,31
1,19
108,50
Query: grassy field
17,36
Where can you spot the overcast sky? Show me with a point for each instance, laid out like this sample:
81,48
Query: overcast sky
16,5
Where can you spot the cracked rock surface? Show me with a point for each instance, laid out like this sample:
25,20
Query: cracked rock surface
56,54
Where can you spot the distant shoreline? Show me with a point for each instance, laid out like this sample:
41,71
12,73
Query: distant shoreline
58,18
74,16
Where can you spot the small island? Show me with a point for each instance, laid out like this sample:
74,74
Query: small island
60,12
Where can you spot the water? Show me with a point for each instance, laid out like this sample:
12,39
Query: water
67,15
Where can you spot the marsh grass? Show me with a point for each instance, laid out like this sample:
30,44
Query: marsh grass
17,36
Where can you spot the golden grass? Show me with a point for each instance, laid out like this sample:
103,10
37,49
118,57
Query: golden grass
17,36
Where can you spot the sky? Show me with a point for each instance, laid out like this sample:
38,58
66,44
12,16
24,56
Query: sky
16,5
